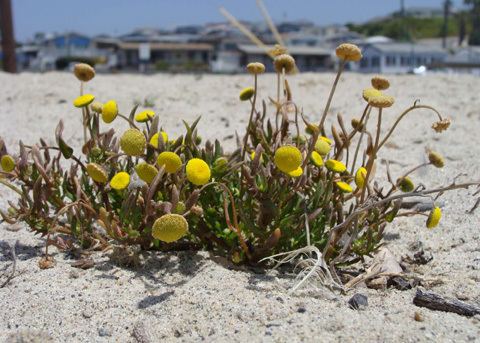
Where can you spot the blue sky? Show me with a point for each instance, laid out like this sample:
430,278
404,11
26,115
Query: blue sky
120,16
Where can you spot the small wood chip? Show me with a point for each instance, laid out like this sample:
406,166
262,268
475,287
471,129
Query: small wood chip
438,303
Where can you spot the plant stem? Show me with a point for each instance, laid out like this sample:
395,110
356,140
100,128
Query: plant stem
372,158
330,97
245,139
408,110
128,120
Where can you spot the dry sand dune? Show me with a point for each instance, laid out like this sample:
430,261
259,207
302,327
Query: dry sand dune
194,296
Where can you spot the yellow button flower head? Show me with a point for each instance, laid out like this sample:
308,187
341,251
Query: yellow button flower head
133,142
154,139
247,93
83,100
349,52
312,129
8,163
436,159
288,158
405,184
380,82
96,106
284,61
297,172
356,124
434,218
97,173
360,177
335,166
146,172
256,68
144,116
370,93
120,181
170,228
170,160
381,101
198,171
220,165
441,125
317,159
277,50
344,187
322,146
109,111
83,72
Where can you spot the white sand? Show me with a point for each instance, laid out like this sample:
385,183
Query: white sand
194,297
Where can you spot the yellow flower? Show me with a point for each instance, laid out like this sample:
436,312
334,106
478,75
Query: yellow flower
328,140
146,172
120,181
277,50
96,107
335,166
296,173
8,163
109,111
356,124
170,160
317,159
349,52
381,101
198,171
83,100
284,61
370,93
133,142
255,68
441,125
434,218
252,156
83,72
380,82
154,139
405,184
97,173
436,159
220,165
288,158
170,228
144,116
246,93
360,177
312,129
344,187
322,146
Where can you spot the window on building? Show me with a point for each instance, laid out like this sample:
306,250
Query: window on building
376,61
364,62
391,60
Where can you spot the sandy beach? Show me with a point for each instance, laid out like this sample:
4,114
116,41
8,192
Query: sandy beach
191,297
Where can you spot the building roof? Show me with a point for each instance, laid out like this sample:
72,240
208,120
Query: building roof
294,50
405,48
168,46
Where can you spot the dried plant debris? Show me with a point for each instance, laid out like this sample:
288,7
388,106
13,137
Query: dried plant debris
293,189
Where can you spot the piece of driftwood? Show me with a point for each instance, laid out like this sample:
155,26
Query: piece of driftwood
438,303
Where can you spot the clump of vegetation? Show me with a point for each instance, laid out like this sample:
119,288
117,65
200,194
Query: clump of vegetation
282,191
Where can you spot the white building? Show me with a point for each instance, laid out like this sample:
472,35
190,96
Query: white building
398,58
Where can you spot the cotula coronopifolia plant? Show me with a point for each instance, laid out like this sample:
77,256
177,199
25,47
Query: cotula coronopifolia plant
282,191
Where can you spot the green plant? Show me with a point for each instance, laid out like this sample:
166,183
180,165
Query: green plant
281,192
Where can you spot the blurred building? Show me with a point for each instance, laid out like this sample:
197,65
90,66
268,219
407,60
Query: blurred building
398,58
